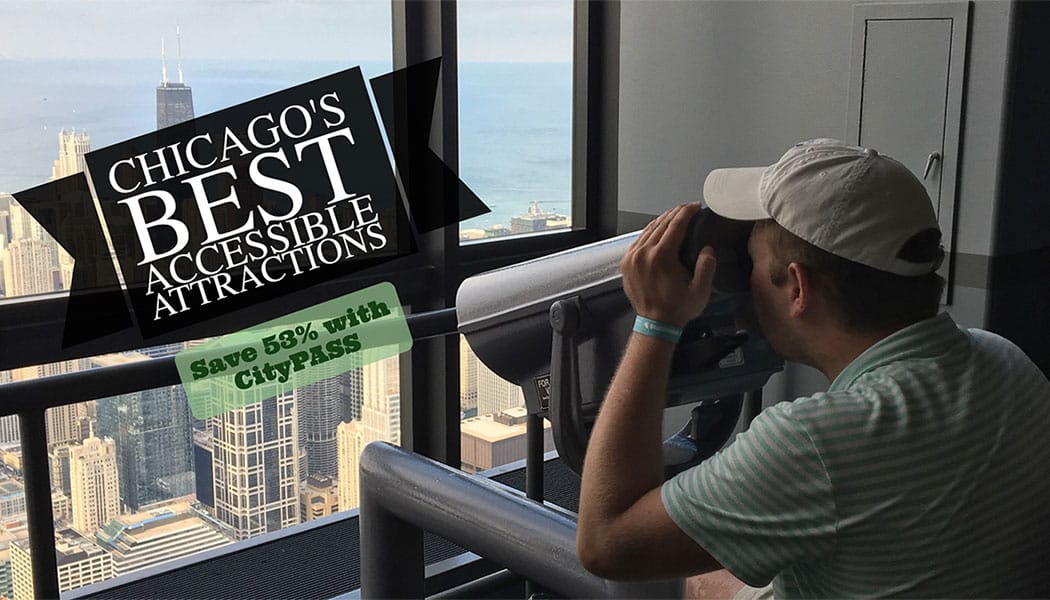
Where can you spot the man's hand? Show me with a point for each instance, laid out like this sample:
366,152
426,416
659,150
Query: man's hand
623,530
656,283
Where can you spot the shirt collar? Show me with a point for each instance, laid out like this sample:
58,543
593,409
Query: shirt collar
924,339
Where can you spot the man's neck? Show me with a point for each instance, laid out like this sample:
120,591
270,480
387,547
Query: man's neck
837,348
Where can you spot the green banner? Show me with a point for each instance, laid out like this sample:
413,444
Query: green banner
297,349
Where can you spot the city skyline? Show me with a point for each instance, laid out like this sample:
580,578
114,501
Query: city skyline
135,481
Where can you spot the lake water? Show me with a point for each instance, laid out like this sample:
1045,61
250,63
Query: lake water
514,117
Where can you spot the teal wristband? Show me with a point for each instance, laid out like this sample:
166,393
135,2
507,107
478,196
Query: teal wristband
656,329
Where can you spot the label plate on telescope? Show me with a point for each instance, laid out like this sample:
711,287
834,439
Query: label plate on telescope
543,390
733,359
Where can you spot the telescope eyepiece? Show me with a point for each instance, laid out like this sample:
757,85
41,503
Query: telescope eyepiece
729,239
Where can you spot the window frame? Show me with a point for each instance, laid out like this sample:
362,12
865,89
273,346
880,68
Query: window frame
424,30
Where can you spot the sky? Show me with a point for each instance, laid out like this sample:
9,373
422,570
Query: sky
500,30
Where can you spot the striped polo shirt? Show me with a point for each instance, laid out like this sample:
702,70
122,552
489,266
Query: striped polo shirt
923,471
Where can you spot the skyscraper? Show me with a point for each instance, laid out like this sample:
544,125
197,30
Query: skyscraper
58,461
255,463
174,99
80,562
202,468
468,378
72,147
154,441
23,225
380,421
496,394
64,424
319,498
94,485
9,426
352,395
320,407
350,443
6,587
381,400
6,200
60,506
27,268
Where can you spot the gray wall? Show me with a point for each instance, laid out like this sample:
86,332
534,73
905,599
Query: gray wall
712,84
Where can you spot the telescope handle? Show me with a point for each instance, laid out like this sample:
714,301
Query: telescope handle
570,435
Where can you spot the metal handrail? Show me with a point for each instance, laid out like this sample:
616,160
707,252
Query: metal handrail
403,494
102,382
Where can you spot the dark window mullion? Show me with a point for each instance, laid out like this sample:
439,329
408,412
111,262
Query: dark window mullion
424,30
596,94
430,373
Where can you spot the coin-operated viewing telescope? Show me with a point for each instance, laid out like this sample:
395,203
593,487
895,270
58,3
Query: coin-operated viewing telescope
557,327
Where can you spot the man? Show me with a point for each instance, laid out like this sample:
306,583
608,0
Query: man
924,470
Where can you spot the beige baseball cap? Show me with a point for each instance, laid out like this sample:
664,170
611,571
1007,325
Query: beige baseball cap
850,201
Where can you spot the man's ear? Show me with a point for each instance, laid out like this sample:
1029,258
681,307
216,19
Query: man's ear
799,289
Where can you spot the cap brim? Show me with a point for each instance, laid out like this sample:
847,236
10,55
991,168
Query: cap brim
733,193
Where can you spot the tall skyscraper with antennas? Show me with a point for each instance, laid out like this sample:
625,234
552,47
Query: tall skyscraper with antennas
174,99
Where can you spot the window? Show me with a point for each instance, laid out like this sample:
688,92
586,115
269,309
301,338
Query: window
75,93
515,100
124,55
515,105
